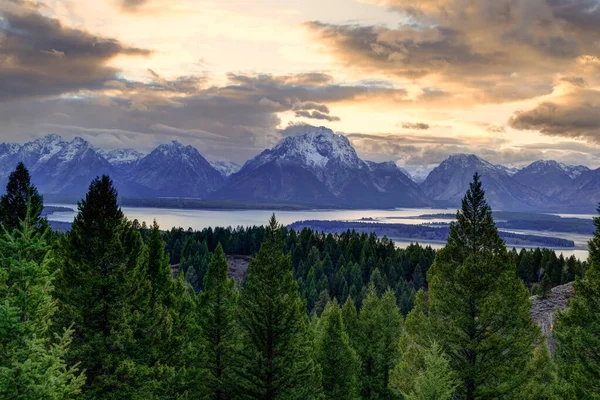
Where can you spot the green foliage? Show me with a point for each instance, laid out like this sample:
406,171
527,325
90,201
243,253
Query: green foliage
277,356
415,337
379,326
479,307
577,331
338,360
543,379
102,289
32,361
21,197
216,314
545,288
171,324
436,380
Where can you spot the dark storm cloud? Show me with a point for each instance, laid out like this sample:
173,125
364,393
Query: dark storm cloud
42,57
574,115
415,125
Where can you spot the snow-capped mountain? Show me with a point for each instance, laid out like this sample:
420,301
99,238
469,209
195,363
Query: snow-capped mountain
56,166
121,157
511,171
313,167
549,177
226,168
418,173
317,166
448,182
67,168
175,170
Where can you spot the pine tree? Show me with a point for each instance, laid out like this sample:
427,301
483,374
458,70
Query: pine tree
339,362
436,380
277,360
219,336
577,331
545,286
32,362
415,338
350,319
20,197
172,323
379,327
102,289
480,308
543,379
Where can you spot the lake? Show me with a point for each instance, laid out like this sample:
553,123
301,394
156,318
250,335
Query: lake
200,219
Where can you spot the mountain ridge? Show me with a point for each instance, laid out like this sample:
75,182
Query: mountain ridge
313,166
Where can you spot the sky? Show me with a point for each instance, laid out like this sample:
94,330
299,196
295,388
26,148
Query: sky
512,81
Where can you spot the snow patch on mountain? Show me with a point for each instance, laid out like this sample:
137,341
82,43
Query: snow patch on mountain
121,156
226,168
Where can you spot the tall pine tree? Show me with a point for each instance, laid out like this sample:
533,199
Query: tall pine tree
577,331
277,356
20,197
220,340
338,360
103,290
379,325
480,308
32,362
171,324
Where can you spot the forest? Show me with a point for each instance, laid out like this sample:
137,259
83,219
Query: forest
115,309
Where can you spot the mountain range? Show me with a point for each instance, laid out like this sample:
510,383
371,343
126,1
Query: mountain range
314,167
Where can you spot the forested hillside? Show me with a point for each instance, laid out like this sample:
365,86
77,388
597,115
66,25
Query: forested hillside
98,312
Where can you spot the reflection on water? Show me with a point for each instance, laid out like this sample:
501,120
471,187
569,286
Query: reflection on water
200,219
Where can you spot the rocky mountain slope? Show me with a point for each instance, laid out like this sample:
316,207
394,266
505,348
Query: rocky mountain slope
317,166
448,182
313,166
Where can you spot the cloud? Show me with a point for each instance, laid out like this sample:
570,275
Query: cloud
415,125
497,51
310,105
572,115
133,5
233,121
41,57
317,115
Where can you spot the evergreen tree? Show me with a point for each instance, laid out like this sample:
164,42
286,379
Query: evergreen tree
418,279
32,362
543,379
413,342
480,308
171,321
545,287
436,380
103,289
339,362
350,319
379,326
276,359
219,337
577,331
21,196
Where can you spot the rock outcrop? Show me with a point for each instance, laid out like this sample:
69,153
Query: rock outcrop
543,311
